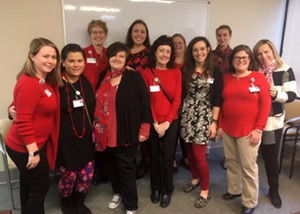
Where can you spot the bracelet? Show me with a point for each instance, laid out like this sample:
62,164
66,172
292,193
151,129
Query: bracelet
259,131
214,121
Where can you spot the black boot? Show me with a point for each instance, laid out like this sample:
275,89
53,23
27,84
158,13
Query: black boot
79,203
275,198
67,206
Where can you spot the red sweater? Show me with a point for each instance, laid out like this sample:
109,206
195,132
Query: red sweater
170,79
37,117
243,111
94,65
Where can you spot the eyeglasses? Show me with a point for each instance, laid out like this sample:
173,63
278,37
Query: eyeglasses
238,58
97,32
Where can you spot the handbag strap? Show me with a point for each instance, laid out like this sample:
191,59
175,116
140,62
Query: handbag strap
162,89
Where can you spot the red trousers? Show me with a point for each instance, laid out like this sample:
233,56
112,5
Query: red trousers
198,164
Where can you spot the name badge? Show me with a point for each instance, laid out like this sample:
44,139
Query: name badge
91,60
154,88
254,89
78,103
210,80
48,92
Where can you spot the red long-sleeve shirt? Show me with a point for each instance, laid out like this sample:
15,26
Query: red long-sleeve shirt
170,79
94,65
243,111
37,117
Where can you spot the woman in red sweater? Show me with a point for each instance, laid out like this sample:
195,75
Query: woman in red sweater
95,63
163,81
32,140
244,113
95,54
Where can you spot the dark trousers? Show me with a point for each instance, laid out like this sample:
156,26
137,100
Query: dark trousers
270,156
121,171
34,183
161,158
100,167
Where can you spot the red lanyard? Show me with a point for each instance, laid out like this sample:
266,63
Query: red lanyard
77,94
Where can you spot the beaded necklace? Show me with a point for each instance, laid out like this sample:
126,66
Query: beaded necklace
77,95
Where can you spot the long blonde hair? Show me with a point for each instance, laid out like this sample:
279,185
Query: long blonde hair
278,60
54,77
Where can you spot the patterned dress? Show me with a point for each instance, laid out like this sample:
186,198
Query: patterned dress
139,61
196,111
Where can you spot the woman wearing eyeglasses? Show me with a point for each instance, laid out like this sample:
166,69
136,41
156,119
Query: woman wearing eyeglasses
95,63
244,113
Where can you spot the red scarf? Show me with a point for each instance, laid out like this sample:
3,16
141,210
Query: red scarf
101,112
221,58
267,70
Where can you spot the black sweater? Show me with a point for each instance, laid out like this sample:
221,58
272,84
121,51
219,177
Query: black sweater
74,151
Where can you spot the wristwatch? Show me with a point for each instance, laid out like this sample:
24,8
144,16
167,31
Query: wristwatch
32,154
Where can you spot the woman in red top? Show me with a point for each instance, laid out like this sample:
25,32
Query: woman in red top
244,113
32,140
95,54
95,63
137,40
164,84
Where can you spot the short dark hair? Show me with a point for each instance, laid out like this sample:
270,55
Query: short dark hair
162,40
115,48
70,48
236,50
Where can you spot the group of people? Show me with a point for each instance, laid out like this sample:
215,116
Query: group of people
91,108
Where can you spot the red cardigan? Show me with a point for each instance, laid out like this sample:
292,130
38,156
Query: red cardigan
243,111
94,65
37,117
170,79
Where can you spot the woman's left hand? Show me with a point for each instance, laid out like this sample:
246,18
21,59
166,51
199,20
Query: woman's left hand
273,91
163,127
255,136
212,130
141,138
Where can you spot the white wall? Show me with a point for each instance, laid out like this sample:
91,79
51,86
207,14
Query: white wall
21,21
250,20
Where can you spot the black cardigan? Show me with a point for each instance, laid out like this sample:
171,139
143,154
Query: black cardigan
132,106
216,89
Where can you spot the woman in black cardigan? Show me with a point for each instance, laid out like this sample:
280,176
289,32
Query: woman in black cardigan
122,120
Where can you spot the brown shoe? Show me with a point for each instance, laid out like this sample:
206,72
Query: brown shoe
189,187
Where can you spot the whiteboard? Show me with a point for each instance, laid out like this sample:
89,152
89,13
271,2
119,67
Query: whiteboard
189,17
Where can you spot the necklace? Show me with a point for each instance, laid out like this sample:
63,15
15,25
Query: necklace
78,94
241,75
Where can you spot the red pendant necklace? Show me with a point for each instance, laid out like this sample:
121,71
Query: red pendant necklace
78,94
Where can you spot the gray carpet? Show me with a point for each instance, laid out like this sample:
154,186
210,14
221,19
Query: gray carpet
182,203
